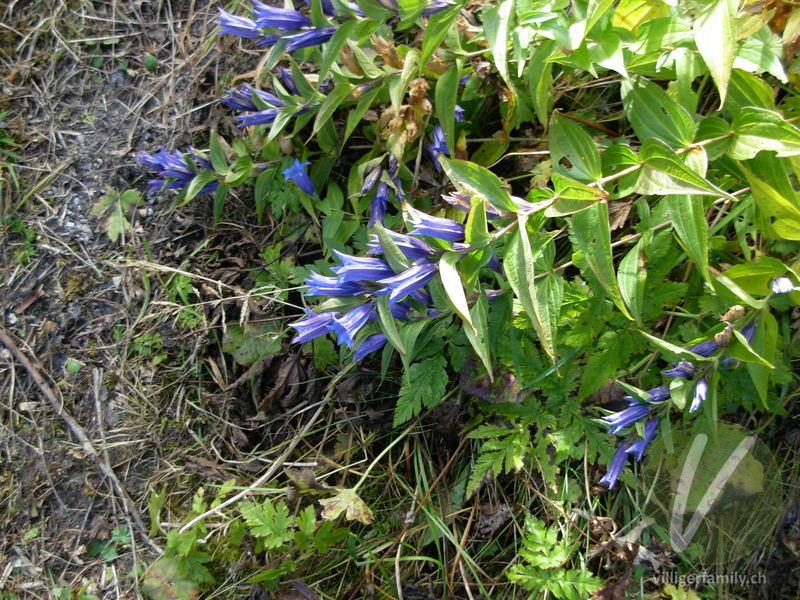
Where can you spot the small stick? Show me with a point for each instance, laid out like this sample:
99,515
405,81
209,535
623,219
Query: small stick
34,368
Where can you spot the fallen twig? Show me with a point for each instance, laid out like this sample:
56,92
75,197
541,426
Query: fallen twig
34,369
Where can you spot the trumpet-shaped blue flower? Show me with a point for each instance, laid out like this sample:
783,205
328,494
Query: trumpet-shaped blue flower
462,201
370,180
262,117
173,170
308,38
411,247
700,394
313,326
459,113
320,285
288,80
618,461
410,280
705,348
348,325
358,268
439,146
279,18
235,25
639,446
622,419
369,345
437,227
658,394
748,331
683,369
242,98
379,204
297,173
327,7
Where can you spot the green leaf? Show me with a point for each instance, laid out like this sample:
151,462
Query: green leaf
476,231
475,179
673,351
355,115
393,255
410,10
438,26
715,38
201,180
742,350
761,52
388,324
663,173
787,229
722,284
756,277
218,159
540,80
272,523
653,114
424,384
689,221
446,94
572,196
451,280
764,344
479,338
349,503
496,24
632,277
331,50
519,267
331,103
572,151
591,235
772,202
758,129
399,85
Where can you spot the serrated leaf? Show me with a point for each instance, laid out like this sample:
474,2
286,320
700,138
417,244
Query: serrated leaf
424,384
572,151
475,179
270,522
349,503
451,281
715,38
591,235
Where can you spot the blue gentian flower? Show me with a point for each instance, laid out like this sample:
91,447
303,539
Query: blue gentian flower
410,280
242,99
683,369
262,117
459,113
639,446
700,394
297,173
618,461
705,348
308,38
347,326
173,170
622,419
313,326
358,268
235,25
494,264
288,81
393,165
320,285
265,41
379,204
327,7
369,345
748,331
438,146
279,18
783,285
400,310
370,180
436,227
658,394
411,247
